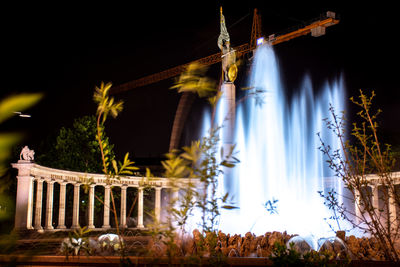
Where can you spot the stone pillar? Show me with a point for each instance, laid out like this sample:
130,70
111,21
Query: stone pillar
91,207
175,195
75,210
24,200
38,209
392,211
122,222
357,209
140,208
49,205
375,197
106,218
61,206
175,201
228,104
157,210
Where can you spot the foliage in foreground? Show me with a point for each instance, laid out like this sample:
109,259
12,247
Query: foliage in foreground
353,164
289,256
8,106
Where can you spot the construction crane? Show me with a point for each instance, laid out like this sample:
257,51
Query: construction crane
316,28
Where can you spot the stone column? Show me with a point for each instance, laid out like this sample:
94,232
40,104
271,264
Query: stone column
392,211
49,205
91,206
75,211
157,210
375,196
228,104
175,201
61,206
122,223
38,209
357,209
24,199
106,218
140,208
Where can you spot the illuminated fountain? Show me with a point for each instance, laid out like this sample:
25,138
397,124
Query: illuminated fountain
276,183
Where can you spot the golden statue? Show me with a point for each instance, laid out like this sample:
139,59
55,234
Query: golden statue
229,67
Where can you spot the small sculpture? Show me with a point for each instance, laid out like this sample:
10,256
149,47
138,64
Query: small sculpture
27,154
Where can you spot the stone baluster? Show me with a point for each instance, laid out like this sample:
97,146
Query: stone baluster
38,209
157,210
61,206
122,222
140,208
75,210
91,206
49,205
106,218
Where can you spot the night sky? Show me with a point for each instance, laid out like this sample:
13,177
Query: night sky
64,51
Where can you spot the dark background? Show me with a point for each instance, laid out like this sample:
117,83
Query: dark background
65,50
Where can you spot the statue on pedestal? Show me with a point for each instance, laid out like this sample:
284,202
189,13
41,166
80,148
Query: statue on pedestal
27,154
229,67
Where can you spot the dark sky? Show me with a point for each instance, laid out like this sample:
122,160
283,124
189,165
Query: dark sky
64,51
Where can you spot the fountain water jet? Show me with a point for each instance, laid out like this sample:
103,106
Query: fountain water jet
278,149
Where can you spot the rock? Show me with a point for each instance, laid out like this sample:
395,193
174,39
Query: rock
222,239
275,237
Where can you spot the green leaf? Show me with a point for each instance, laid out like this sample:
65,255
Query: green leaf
114,163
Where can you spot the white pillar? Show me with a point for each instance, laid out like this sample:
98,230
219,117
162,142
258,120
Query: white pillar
91,207
140,208
49,205
228,104
38,209
61,206
175,201
392,211
175,195
157,210
24,200
375,197
75,210
106,218
357,206
122,221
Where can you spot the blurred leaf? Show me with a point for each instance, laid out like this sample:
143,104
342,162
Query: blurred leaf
7,141
227,164
193,80
18,102
228,207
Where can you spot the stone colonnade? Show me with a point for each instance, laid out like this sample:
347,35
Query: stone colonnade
29,172
377,189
